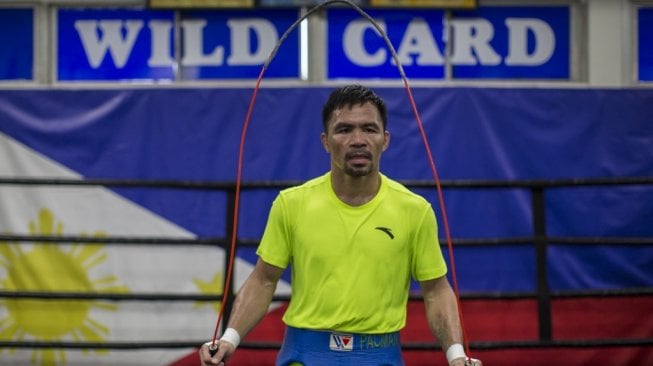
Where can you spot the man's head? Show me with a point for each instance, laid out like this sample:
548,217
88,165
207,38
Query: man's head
355,132
351,95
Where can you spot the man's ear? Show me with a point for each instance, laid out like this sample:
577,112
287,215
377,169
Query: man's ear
386,134
325,141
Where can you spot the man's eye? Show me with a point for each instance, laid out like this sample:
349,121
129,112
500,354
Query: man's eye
371,130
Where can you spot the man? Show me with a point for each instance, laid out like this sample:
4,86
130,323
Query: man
354,239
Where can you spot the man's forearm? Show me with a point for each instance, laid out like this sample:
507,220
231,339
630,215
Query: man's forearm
444,321
446,325
442,312
250,306
254,298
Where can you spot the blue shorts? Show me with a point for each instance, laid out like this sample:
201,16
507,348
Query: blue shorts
326,348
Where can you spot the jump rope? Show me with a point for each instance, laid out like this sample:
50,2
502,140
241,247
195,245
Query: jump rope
225,294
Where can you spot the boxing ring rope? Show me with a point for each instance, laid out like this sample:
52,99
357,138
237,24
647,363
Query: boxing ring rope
531,185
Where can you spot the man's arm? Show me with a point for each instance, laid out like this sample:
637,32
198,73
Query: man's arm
442,315
250,306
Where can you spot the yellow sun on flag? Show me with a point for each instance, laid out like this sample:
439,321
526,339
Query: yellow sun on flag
50,268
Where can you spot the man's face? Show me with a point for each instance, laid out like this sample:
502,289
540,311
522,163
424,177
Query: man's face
355,138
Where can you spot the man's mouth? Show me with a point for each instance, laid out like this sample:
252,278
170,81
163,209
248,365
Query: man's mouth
358,157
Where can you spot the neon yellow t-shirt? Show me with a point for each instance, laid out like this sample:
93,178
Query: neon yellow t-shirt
351,265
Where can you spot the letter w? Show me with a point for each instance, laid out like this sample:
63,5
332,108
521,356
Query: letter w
338,341
108,38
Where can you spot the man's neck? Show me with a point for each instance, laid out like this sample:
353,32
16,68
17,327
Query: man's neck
355,191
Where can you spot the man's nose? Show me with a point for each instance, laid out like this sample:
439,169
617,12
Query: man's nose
358,138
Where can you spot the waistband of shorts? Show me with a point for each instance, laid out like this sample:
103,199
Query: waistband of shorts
343,341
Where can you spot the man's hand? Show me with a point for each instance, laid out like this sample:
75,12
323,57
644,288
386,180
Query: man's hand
225,350
465,361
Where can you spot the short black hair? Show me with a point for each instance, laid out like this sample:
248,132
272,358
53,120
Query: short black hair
351,95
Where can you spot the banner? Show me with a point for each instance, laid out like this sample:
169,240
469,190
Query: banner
490,42
512,43
138,44
644,50
17,37
496,134
132,44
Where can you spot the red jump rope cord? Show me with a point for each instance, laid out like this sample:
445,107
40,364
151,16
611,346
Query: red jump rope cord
234,233
445,221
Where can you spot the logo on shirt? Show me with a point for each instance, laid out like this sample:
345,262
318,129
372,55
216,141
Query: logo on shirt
386,230
341,342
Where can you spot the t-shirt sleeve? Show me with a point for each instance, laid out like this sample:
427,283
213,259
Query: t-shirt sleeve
274,248
427,260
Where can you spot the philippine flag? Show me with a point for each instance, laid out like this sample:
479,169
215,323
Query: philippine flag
51,150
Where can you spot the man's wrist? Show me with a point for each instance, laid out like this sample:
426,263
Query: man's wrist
455,351
231,335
